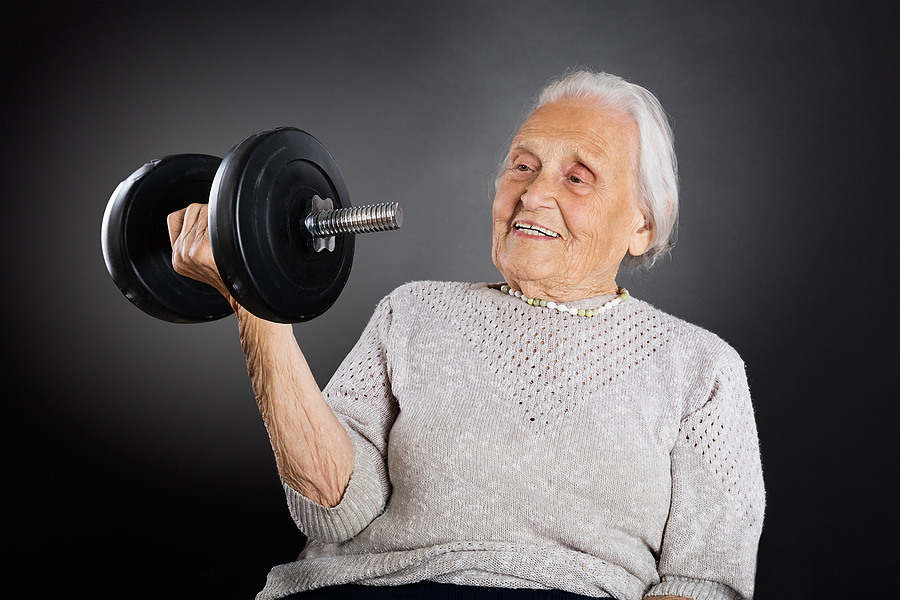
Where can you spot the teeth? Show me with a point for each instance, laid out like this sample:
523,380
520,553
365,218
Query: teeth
535,230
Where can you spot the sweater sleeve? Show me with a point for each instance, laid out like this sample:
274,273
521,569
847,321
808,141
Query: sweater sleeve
715,518
360,395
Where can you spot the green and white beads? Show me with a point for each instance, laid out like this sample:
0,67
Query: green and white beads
578,312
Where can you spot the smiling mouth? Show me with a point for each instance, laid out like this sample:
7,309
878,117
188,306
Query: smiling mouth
535,230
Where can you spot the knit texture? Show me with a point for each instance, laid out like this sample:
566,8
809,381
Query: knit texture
506,445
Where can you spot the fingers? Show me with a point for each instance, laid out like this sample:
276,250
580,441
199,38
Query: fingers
191,221
187,229
175,221
198,250
191,250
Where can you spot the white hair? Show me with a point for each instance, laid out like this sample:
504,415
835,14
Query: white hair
656,181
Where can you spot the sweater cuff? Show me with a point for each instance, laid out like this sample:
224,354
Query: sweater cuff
363,500
696,589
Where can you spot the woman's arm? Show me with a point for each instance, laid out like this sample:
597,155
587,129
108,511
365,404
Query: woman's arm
718,499
312,450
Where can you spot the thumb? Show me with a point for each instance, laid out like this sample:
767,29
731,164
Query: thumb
175,221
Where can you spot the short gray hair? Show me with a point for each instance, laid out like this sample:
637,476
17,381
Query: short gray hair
656,185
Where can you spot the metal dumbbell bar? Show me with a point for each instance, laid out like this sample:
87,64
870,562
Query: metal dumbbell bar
325,222
280,221
359,219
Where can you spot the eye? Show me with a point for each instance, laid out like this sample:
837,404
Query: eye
580,175
521,169
522,165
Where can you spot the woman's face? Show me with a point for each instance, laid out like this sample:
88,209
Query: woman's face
564,215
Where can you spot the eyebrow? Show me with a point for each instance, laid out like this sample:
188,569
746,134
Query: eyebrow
586,158
589,158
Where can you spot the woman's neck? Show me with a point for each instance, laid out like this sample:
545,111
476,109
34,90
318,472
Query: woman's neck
564,291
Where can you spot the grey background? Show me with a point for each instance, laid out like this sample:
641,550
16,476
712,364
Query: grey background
135,461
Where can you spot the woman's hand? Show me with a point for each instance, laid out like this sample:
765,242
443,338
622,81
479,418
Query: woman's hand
191,250
312,450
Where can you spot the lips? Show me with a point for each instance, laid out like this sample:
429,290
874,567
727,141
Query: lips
535,230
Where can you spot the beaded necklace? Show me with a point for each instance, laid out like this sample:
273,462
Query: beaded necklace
578,312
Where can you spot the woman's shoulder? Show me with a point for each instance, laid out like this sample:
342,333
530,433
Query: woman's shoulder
681,335
439,292
429,286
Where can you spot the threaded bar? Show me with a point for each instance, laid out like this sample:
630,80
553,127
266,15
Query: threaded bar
356,219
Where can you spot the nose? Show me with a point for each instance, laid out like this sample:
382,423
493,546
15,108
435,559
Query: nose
540,193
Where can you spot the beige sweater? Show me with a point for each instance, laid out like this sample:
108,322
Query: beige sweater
501,444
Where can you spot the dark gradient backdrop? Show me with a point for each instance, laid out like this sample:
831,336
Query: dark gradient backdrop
135,462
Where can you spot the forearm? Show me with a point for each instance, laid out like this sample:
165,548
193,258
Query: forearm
312,450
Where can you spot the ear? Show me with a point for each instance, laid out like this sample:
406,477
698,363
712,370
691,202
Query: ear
641,238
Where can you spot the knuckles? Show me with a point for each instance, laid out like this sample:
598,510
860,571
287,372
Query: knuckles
191,251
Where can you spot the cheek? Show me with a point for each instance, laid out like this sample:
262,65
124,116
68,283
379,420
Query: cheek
602,225
589,220
616,222
505,201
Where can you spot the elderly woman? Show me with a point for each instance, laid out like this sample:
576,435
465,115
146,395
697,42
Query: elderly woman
551,437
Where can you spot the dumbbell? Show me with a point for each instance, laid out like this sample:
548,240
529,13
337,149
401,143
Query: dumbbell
280,222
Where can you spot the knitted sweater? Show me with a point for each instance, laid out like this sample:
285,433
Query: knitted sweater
507,445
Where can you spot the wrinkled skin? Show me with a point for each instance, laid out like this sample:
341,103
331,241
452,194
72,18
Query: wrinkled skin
312,449
191,250
564,215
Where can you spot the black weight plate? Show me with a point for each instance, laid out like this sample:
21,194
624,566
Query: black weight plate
261,194
135,239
